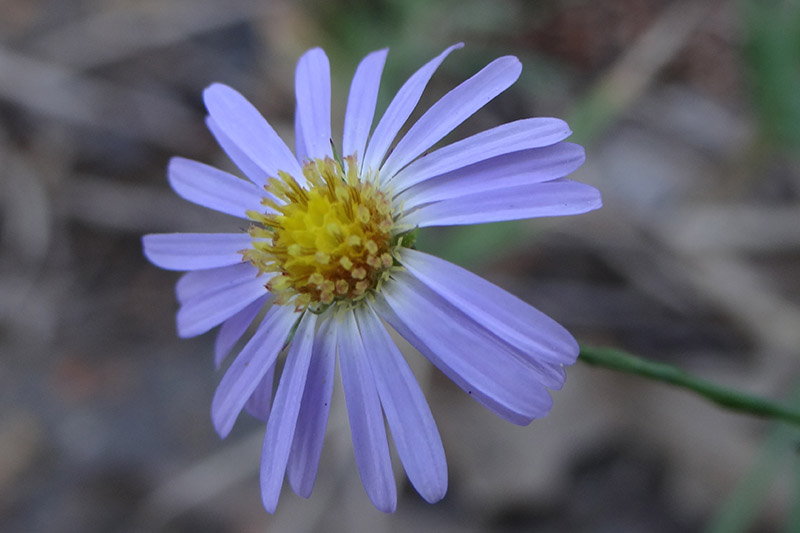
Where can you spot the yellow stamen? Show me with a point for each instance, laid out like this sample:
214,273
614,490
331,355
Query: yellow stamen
328,241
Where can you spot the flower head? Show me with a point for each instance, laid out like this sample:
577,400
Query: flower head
328,255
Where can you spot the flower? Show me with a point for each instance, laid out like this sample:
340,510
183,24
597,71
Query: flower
328,254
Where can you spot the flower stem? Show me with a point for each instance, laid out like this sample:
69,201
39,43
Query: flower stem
728,398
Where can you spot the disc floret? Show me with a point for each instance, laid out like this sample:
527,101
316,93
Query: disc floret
328,241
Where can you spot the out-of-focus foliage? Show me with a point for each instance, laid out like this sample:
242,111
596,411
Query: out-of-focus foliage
772,58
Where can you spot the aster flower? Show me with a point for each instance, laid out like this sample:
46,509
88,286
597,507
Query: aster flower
328,254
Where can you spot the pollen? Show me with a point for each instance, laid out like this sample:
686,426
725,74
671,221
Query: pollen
325,242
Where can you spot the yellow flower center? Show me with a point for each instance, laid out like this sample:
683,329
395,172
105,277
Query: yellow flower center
328,241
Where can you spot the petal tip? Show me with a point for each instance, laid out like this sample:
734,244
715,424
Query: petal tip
174,166
214,88
436,491
214,92
314,50
312,54
435,497
298,485
148,242
383,52
269,497
388,507
175,162
187,328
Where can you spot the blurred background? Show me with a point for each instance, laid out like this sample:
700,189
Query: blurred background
690,114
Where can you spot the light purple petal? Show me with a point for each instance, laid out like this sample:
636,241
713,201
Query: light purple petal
533,333
366,419
549,199
475,359
233,329
195,251
255,173
399,110
410,420
283,416
450,111
197,282
512,137
246,371
361,104
213,188
525,167
312,85
314,409
244,126
299,138
211,308
260,402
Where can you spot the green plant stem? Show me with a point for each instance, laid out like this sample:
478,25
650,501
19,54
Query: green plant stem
729,398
